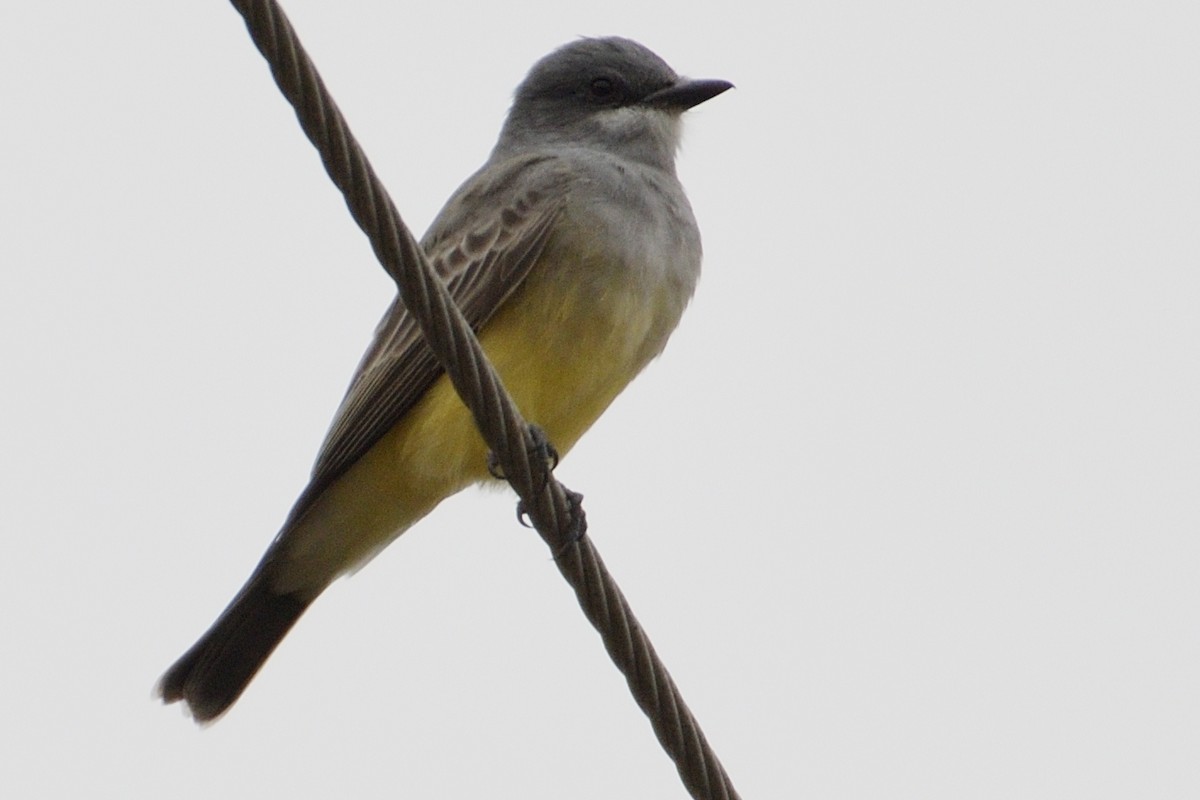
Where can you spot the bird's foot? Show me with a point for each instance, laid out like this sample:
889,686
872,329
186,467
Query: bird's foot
576,527
541,451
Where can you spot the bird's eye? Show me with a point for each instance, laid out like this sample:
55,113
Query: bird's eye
603,90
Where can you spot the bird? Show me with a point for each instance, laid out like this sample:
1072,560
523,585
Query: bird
572,252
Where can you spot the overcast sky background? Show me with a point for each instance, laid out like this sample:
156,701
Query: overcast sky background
909,507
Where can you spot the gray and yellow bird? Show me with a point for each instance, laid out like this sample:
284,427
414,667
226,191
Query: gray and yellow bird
572,252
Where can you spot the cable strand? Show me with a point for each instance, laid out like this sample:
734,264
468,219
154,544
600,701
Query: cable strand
547,502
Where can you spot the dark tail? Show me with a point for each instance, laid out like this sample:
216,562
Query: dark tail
215,672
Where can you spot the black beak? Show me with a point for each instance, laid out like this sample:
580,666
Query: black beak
685,94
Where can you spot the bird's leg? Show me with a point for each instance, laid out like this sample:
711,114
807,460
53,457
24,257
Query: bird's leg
540,451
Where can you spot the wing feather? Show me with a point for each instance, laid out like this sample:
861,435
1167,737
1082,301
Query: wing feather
483,244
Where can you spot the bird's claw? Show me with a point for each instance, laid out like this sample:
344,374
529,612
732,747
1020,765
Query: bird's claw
576,528
540,451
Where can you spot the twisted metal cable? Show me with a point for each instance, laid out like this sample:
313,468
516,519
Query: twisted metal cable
555,512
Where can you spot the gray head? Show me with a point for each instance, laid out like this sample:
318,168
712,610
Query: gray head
612,94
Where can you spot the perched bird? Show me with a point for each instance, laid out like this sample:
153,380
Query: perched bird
572,252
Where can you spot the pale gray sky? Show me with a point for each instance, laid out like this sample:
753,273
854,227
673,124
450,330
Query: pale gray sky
909,506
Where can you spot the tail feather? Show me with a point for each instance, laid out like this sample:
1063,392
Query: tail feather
216,670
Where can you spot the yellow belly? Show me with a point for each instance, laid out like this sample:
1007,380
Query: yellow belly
563,352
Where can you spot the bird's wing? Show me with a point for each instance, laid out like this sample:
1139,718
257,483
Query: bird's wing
482,244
